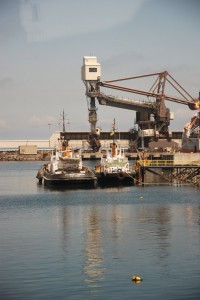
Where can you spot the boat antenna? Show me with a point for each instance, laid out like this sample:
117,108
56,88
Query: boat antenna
63,120
112,133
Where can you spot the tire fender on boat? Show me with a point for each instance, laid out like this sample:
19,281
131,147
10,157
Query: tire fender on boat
121,175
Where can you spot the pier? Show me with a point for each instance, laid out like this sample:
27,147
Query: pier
180,170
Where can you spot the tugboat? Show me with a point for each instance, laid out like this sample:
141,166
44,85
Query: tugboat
66,169
114,167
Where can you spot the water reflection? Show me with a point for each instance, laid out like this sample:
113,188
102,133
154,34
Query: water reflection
94,253
70,243
151,225
158,219
65,220
192,215
116,218
91,233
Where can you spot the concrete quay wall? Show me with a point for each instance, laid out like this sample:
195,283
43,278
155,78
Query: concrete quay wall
187,158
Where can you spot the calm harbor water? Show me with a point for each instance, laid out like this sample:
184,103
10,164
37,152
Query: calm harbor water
88,243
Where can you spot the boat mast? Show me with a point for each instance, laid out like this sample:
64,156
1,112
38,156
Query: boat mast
63,121
112,133
64,141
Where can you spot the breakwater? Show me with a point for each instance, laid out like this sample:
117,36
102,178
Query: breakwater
16,156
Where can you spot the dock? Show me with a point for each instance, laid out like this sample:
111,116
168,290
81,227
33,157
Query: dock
182,170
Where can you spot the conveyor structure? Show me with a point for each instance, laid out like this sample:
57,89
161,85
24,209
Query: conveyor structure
152,116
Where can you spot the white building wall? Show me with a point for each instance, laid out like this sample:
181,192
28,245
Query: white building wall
14,144
104,144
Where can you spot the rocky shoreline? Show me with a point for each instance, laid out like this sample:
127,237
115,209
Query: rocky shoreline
16,156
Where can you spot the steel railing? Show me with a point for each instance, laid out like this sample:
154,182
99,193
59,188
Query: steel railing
164,163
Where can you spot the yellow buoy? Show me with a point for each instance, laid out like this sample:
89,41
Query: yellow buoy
136,278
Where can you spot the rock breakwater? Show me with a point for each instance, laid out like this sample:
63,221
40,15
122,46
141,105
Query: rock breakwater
16,156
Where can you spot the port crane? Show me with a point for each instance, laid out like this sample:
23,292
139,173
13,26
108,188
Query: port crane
153,117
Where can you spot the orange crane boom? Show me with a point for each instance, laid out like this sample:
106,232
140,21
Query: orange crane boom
158,89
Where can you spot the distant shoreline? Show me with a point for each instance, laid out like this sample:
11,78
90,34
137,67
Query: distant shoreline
16,156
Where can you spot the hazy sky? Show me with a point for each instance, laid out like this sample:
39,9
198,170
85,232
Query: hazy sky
42,44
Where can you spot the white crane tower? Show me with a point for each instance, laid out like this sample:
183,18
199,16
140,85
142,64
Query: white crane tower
90,73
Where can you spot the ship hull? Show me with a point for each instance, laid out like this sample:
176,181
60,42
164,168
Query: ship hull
69,179
115,178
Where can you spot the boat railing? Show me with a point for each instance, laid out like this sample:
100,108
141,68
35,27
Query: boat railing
164,163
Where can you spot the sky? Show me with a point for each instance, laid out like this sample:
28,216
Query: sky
43,42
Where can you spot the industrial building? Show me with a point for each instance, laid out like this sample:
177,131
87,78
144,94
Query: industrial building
80,139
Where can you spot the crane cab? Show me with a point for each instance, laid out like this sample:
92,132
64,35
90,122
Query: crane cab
91,69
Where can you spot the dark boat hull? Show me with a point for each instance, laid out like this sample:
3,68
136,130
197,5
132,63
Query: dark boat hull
115,178
69,179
